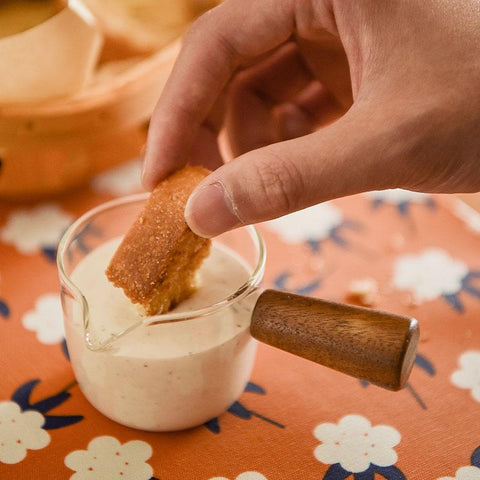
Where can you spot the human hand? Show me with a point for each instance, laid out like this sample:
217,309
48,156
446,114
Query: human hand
320,99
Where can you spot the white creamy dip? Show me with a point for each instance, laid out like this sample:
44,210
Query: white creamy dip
162,377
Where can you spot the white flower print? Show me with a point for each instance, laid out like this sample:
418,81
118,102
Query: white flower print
107,459
122,180
244,476
396,196
465,473
313,223
19,432
46,319
355,444
30,230
468,376
470,216
430,274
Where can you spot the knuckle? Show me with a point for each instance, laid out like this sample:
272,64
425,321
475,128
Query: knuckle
226,43
279,183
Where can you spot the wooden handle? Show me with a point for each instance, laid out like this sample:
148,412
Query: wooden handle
368,344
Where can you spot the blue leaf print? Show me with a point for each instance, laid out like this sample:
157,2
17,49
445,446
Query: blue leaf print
390,473
45,405
336,472
241,411
425,364
403,208
254,388
79,239
314,245
237,409
266,419
308,288
282,280
475,458
53,422
467,285
336,237
50,253
415,395
454,301
213,425
4,309
22,394
65,349
366,475
22,397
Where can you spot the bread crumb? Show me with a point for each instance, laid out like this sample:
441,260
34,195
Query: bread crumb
363,292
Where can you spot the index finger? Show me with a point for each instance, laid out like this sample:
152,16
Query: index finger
218,42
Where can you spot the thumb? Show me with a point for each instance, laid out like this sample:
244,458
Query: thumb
348,157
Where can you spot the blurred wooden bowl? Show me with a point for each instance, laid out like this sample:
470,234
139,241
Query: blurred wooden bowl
52,146
49,147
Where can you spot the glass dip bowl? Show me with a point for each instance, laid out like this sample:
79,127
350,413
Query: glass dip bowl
167,372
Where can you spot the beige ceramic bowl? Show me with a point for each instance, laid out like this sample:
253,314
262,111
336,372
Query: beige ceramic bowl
52,146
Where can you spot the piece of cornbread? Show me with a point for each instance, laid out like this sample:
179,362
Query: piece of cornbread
156,262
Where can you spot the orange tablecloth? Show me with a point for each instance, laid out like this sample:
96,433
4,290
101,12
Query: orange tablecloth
296,420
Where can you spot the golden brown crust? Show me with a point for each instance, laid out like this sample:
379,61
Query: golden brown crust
156,262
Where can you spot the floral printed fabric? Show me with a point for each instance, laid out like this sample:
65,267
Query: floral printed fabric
295,420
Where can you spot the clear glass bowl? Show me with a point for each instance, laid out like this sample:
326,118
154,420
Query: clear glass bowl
195,365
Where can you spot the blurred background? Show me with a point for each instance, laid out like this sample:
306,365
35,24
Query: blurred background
79,82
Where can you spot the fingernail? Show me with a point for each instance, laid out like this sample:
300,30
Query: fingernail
209,211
